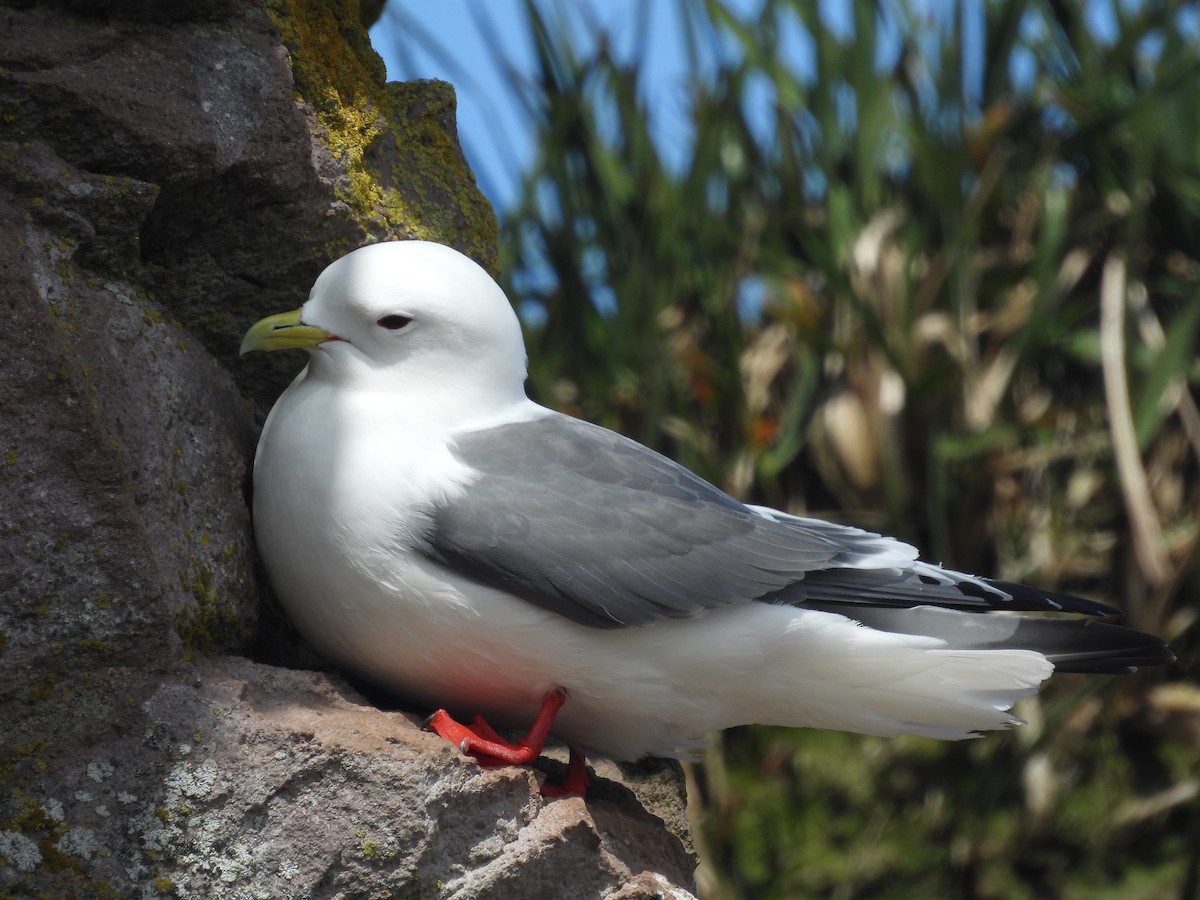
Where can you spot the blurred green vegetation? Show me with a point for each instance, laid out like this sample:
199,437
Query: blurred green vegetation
949,289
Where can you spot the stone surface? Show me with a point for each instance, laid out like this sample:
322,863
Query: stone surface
169,173
229,778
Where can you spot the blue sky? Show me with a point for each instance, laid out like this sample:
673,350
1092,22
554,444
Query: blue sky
478,39
496,135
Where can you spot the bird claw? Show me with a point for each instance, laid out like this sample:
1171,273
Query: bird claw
484,743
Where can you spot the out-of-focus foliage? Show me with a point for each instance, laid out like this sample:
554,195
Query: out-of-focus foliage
947,287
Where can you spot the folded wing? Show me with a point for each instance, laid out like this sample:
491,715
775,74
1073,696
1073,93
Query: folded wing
597,528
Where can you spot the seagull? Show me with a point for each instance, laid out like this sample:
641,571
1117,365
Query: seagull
431,529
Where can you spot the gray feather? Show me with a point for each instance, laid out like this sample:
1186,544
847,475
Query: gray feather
597,528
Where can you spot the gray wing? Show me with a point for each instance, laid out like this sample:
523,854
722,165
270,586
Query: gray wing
595,527
598,528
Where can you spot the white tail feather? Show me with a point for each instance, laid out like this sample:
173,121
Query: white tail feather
837,674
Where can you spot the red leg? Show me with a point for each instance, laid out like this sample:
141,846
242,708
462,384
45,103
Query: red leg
490,745
482,741
576,782
482,729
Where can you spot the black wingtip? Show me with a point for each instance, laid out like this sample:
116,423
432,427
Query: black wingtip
1103,649
1033,599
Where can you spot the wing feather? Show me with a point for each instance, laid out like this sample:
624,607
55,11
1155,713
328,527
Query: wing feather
597,528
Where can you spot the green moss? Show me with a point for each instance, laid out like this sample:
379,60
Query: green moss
16,758
31,820
45,689
212,622
22,764
342,80
339,78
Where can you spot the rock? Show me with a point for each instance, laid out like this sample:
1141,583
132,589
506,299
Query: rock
125,532
169,173
226,776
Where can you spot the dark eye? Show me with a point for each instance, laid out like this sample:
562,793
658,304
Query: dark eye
393,322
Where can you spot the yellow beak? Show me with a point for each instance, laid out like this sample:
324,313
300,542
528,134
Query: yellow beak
284,331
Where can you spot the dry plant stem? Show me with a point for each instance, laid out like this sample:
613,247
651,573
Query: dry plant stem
1178,397
1147,532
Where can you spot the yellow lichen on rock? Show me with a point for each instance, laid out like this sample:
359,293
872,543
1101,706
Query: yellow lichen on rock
341,84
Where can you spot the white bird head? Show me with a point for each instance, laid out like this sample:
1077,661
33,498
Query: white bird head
405,315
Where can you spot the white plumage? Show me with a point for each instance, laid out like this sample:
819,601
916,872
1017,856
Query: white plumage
431,529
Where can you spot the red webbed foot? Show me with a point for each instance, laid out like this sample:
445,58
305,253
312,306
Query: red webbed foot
482,741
